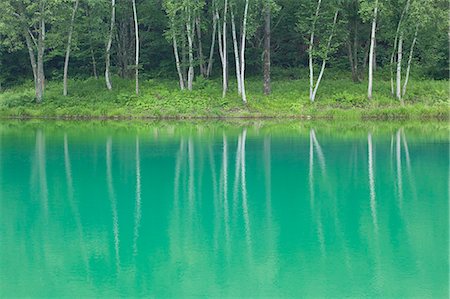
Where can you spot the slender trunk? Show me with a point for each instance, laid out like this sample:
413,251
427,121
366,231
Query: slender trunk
399,68
136,32
310,54
316,87
394,49
236,53
355,53
211,51
408,68
372,49
108,46
189,31
177,61
244,37
267,33
224,51
69,44
32,57
40,57
351,61
200,47
94,64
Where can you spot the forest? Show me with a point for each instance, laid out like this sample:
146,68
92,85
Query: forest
222,57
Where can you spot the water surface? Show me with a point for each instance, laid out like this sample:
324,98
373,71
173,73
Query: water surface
258,209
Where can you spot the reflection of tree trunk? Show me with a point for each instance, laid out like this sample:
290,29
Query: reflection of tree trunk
42,169
212,166
245,210
191,175
373,203
112,198
225,189
73,205
312,146
399,169
237,175
137,212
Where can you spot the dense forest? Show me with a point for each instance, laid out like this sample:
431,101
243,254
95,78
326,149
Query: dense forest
223,39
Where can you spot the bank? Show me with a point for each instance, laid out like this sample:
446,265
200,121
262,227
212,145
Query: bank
161,99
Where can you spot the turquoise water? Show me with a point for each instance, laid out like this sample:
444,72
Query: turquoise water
256,209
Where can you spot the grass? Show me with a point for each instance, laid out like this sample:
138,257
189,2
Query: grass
337,99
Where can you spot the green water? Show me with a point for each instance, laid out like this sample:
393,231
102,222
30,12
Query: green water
251,209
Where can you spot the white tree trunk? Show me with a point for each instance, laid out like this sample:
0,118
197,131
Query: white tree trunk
136,32
394,49
200,46
408,68
372,50
108,45
177,60
189,30
211,51
69,44
236,53
224,51
319,79
40,57
244,37
399,68
310,54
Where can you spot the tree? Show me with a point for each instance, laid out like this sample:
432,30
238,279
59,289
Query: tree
372,49
69,44
136,32
318,25
109,44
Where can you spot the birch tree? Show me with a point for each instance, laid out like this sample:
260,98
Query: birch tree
109,44
370,8
320,17
29,19
136,32
69,44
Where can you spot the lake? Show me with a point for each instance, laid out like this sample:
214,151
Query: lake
224,209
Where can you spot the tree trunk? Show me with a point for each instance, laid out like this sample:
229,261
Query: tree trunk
200,47
69,44
408,68
32,57
136,32
236,53
325,58
244,37
394,49
94,64
177,61
267,33
351,61
310,54
211,51
189,30
40,57
108,46
399,68
224,51
372,50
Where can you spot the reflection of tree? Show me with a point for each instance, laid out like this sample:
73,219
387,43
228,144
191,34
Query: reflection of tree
137,212
314,146
224,191
112,198
73,204
373,203
42,170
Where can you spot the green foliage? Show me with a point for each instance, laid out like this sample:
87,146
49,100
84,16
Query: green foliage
339,99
